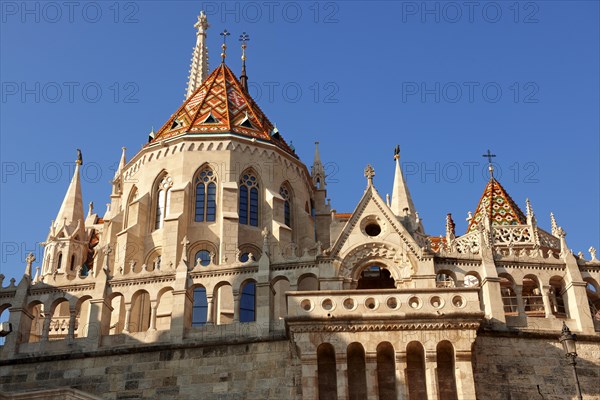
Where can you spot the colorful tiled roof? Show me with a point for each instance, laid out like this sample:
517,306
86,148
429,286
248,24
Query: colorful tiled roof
498,206
221,105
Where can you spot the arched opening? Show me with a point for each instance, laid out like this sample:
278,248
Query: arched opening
326,372
509,297
117,316
357,373
248,302
376,277
203,258
415,371
36,327
60,261
140,312
200,307
130,200
555,295
4,316
445,371
224,304
386,371
59,323
280,286
164,309
82,316
532,297
308,282
444,279
471,280
593,295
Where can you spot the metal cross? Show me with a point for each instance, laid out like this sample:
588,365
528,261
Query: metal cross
224,45
489,156
244,37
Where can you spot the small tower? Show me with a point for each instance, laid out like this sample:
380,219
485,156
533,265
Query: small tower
66,246
318,171
199,66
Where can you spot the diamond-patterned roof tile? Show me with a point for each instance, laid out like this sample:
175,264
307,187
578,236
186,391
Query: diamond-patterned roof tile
221,105
498,206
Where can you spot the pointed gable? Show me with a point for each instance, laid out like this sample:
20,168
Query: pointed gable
372,208
498,206
221,105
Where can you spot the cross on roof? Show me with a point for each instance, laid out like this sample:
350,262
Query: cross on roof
224,45
489,156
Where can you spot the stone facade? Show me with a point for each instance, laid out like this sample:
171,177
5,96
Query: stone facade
219,270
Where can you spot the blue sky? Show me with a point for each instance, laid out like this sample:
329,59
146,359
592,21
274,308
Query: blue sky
445,80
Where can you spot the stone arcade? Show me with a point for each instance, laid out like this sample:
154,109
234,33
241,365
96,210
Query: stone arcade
220,271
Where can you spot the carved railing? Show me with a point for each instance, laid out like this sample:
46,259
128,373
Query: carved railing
513,235
468,243
547,240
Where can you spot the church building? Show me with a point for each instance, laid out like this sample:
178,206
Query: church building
220,270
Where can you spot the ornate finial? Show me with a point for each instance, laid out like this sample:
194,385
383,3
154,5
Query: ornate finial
397,152
554,225
224,45
489,156
244,38
29,259
369,174
79,160
90,208
450,226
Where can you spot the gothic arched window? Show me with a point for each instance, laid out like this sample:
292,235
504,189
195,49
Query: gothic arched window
248,207
163,201
206,196
248,303
284,191
200,307
59,263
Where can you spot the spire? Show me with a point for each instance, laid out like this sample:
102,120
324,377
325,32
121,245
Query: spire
489,156
450,228
529,212
71,210
554,225
122,163
401,199
318,170
244,38
199,66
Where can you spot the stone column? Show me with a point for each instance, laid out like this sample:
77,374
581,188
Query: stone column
310,380
127,317
98,321
181,314
401,384
491,297
371,370
547,303
210,311
153,308
236,306
465,383
341,364
264,300
20,320
520,304
431,374
46,328
72,319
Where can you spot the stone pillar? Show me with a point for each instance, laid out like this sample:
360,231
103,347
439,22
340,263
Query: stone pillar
20,320
547,303
491,297
181,314
127,317
310,380
264,301
210,311
465,383
98,321
431,374
72,319
341,365
401,383
46,328
153,307
236,306
371,370
520,304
